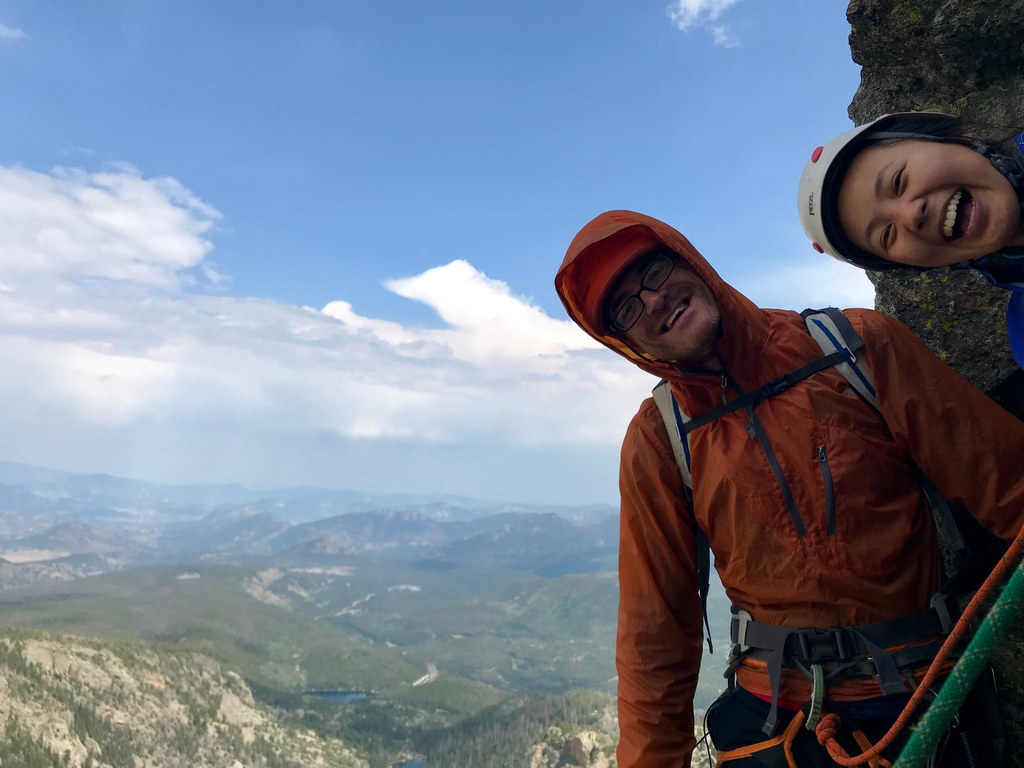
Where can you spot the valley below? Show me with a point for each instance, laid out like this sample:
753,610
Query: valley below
158,625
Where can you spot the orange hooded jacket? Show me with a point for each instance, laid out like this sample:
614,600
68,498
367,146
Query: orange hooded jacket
877,561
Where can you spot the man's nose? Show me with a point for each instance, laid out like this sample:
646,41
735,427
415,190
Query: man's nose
653,298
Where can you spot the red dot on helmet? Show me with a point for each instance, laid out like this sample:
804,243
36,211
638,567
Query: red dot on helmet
817,247
816,154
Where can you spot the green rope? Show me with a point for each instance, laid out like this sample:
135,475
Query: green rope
940,713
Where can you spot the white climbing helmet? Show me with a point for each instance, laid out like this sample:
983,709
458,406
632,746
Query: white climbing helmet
818,192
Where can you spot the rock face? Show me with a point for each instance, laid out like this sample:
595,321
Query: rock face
965,57
568,747
585,749
90,704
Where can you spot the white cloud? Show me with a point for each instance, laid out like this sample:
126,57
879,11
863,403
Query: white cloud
692,14
687,14
490,325
110,352
115,360
11,33
723,36
112,225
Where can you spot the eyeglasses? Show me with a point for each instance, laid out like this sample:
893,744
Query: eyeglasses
629,311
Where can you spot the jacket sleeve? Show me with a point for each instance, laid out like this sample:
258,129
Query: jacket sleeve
966,444
659,641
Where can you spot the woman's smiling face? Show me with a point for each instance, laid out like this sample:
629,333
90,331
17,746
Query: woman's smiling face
927,203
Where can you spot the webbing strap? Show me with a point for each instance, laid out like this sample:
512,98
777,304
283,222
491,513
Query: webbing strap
755,397
845,642
951,538
728,755
675,421
833,330
704,577
817,697
785,739
851,651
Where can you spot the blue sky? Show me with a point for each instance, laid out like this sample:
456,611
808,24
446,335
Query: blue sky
313,242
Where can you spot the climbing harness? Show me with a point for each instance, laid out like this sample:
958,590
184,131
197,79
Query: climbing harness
972,661
855,652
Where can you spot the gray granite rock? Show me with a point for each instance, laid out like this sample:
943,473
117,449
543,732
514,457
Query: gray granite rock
965,57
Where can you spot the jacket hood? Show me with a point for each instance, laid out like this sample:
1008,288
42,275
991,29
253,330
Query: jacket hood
607,245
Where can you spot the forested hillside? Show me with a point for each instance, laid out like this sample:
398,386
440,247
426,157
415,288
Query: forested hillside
76,703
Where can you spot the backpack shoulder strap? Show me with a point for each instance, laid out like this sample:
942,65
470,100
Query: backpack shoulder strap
834,333
675,419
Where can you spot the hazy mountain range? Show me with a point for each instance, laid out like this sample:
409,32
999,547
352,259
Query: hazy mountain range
436,608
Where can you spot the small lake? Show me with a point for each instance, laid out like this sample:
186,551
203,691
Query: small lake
345,697
411,764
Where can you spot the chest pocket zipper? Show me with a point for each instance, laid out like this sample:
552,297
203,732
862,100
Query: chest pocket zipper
830,495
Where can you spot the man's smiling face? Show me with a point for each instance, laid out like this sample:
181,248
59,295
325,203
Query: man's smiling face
679,321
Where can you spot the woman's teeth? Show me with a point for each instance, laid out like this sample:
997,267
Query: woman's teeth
951,211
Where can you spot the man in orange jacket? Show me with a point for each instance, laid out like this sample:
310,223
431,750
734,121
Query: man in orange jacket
821,532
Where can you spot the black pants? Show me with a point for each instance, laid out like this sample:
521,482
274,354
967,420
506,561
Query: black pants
975,740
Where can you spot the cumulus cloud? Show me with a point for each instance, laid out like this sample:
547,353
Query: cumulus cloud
112,224
11,33
691,14
112,347
122,354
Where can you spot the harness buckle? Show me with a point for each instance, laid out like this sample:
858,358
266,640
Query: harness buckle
738,629
824,645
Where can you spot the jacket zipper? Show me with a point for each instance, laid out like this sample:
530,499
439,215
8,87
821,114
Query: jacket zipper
830,496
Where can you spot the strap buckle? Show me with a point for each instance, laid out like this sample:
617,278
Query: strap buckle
738,629
824,645
775,386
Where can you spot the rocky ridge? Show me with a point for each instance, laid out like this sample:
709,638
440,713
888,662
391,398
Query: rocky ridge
574,747
79,703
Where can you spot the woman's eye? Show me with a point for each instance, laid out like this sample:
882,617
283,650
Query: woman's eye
886,236
897,181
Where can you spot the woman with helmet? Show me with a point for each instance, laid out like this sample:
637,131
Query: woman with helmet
911,190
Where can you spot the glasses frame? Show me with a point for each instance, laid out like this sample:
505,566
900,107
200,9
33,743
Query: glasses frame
646,284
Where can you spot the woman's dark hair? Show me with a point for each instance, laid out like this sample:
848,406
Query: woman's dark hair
924,125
